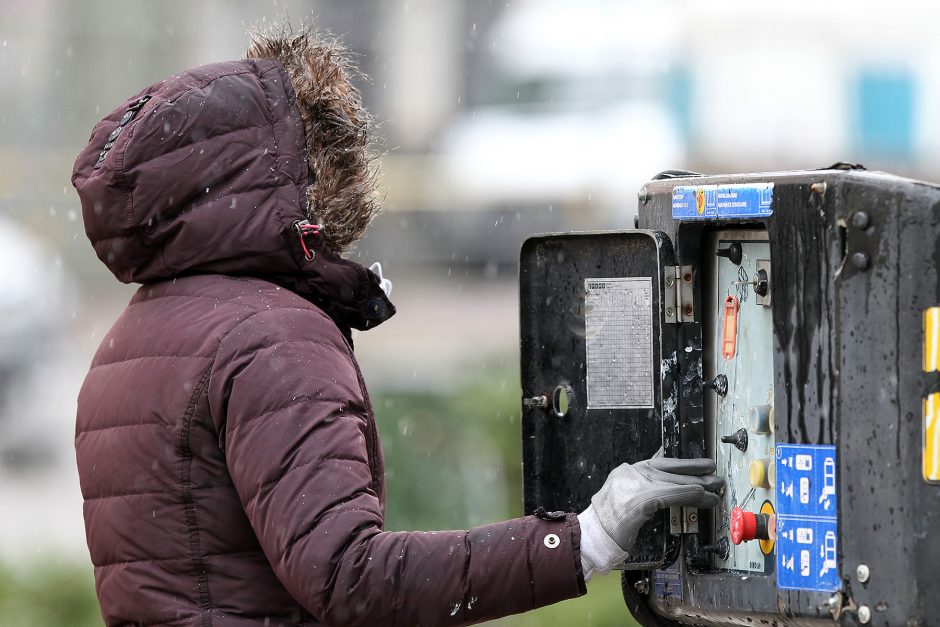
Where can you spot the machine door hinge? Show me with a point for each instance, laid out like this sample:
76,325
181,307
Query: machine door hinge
678,295
683,520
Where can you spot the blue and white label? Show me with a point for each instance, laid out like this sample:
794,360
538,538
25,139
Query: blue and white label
807,554
707,202
807,518
806,481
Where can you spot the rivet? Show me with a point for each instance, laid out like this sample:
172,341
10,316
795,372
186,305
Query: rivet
860,261
860,220
551,541
863,573
864,614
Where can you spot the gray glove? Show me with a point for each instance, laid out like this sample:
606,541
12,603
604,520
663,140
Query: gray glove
630,497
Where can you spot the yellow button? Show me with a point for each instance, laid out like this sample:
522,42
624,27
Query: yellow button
758,474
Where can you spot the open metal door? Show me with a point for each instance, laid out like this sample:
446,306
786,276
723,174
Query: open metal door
599,368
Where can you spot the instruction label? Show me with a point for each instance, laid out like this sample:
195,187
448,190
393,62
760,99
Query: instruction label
618,316
748,200
807,518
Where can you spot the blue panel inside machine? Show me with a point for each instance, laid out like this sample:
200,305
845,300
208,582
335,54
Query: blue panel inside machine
807,519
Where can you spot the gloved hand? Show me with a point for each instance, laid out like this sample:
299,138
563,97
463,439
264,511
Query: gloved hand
630,497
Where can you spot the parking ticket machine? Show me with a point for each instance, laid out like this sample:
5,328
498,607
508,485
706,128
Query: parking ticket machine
787,325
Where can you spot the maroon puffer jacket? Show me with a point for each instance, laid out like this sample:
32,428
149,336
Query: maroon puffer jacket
227,449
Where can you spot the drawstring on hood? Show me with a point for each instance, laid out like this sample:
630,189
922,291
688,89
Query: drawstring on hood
304,228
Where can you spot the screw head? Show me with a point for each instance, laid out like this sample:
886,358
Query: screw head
861,220
864,614
861,261
669,312
687,310
862,573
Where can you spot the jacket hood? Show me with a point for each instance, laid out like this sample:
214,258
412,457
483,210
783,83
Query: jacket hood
206,172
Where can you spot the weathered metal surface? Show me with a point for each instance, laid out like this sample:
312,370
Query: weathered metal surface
854,266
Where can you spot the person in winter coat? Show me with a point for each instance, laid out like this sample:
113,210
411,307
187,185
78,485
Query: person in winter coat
227,449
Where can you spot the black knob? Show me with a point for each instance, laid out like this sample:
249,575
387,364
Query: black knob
733,252
721,548
719,384
738,438
762,284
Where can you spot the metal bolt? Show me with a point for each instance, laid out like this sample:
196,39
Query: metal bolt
864,614
860,261
834,605
863,573
693,517
670,281
669,312
861,220
687,310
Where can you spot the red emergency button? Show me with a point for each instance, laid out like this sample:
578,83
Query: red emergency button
747,526
743,525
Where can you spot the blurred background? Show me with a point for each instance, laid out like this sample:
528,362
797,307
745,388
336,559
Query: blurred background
500,120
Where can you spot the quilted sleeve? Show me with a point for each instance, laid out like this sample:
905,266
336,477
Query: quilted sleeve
287,400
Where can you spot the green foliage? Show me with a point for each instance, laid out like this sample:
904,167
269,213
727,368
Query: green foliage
454,460
48,593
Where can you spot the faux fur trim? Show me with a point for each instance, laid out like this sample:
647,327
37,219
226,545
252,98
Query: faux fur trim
338,131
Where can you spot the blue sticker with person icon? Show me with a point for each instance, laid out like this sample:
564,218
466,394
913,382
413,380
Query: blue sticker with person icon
807,518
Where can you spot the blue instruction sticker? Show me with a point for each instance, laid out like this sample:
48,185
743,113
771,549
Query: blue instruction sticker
746,200
807,557
807,519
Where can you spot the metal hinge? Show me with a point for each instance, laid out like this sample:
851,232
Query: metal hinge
683,520
678,295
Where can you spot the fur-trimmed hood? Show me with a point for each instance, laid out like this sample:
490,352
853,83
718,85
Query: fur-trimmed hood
207,172
337,128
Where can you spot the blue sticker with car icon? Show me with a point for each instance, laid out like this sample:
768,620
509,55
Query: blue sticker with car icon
807,518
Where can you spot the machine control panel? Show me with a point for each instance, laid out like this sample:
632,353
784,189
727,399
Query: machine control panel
784,324
740,408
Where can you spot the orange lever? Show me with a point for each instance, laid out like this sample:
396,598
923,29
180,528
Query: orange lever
729,338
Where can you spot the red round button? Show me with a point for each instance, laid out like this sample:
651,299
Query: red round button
743,525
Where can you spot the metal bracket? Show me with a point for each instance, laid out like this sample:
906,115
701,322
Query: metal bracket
670,294
683,520
678,294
